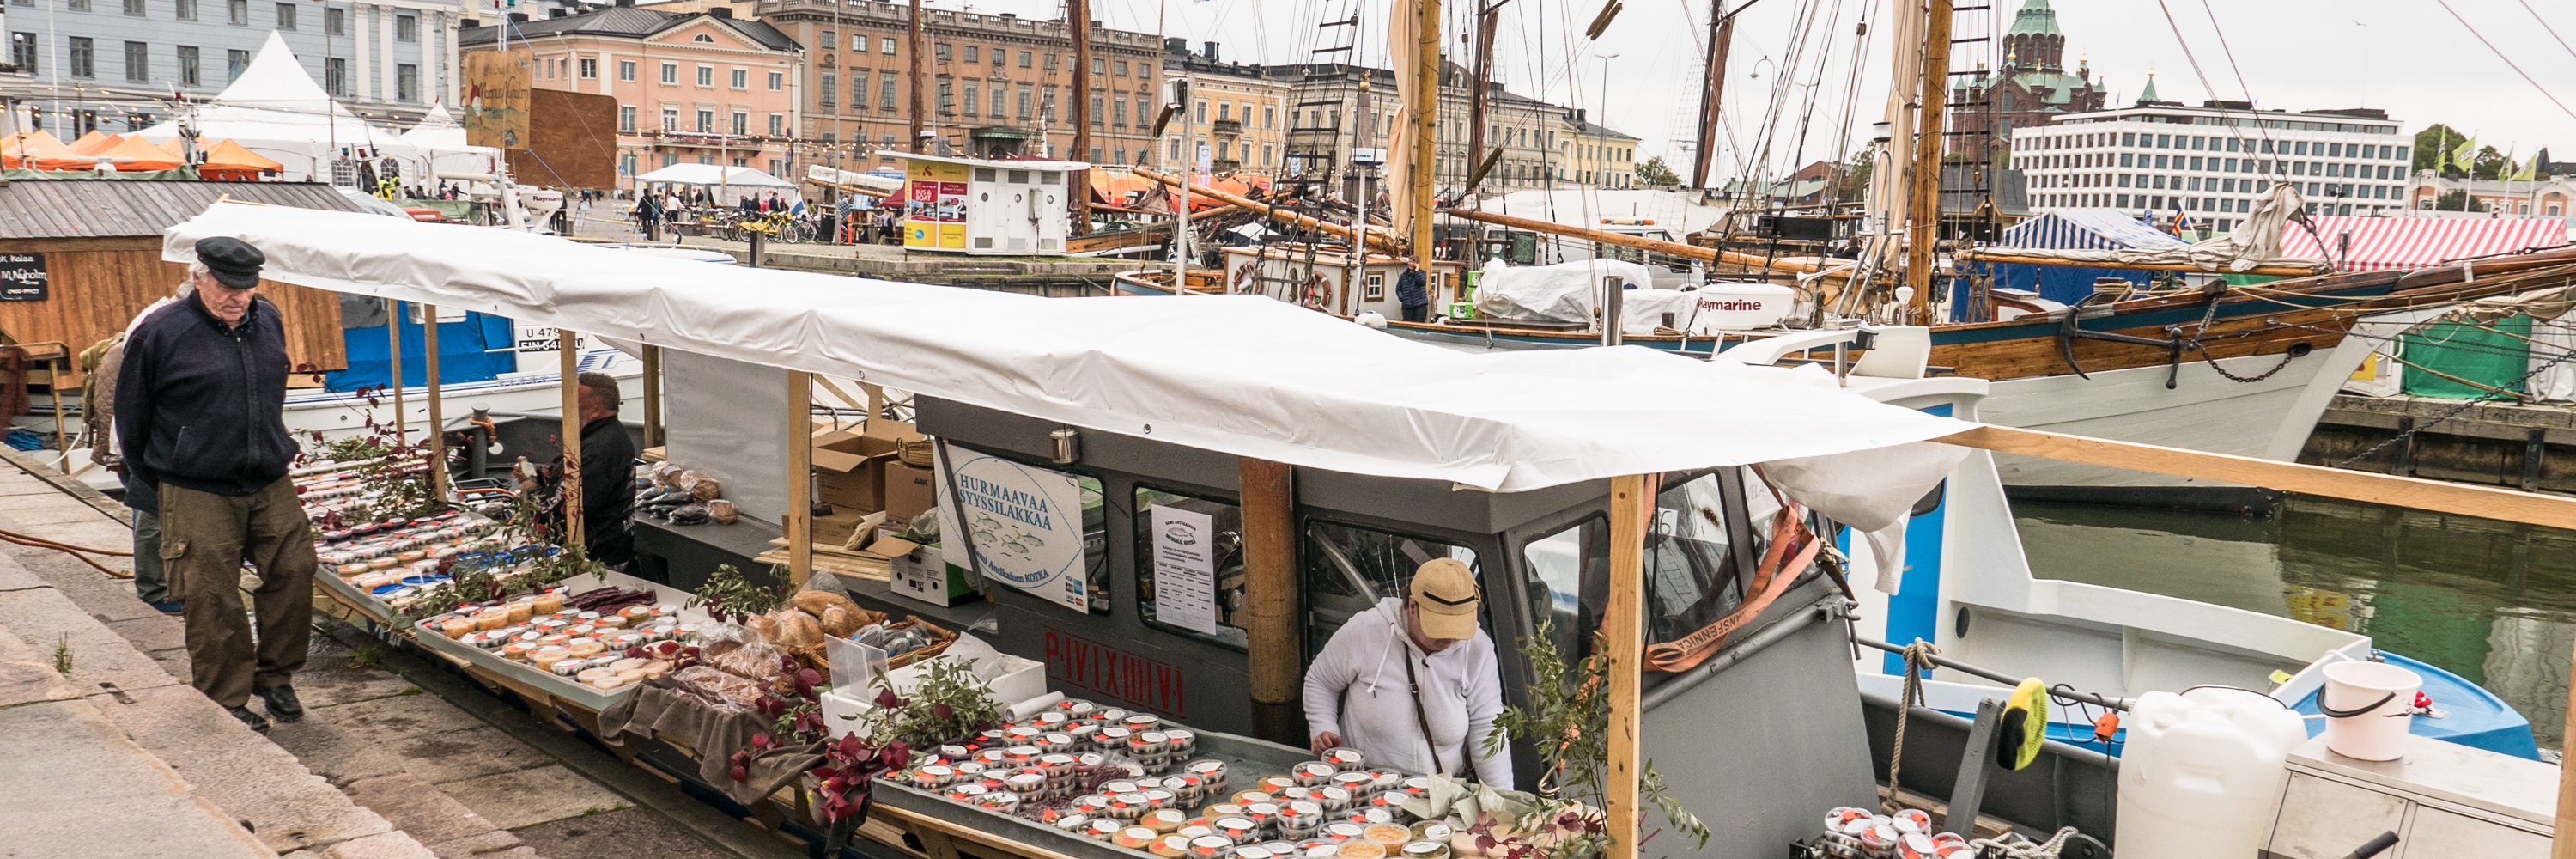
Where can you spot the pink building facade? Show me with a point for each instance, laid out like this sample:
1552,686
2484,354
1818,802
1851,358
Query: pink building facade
691,88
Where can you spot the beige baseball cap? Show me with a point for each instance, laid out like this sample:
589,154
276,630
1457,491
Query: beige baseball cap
1444,590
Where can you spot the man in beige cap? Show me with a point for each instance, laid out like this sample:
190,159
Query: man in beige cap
1412,682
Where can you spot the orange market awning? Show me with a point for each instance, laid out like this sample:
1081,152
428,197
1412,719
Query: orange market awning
94,142
227,159
137,155
37,150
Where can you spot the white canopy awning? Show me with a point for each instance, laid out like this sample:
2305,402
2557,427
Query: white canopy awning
1238,374
441,141
275,109
711,174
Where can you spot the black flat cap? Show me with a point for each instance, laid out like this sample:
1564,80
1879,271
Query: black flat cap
233,262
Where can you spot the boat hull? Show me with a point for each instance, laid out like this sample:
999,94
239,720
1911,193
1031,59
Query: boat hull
2269,417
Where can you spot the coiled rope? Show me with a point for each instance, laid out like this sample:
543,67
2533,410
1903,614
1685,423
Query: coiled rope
2014,845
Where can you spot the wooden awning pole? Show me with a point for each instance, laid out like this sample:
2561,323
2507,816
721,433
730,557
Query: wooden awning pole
2562,841
570,439
393,375
2556,511
437,410
1270,592
798,521
1624,649
652,396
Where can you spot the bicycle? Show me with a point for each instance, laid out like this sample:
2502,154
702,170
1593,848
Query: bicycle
774,226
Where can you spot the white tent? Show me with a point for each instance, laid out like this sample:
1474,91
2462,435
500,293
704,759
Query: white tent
275,109
441,142
1242,375
728,184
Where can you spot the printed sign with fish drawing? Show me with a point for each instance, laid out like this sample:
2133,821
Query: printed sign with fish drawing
1026,526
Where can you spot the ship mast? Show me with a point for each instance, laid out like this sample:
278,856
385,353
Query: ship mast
920,81
1476,101
1925,230
1721,36
1426,123
1078,16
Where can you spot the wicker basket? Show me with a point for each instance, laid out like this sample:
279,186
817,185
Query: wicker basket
940,639
915,453
819,657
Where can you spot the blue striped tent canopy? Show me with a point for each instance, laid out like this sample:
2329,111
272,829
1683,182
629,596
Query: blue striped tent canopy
2103,229
2069,229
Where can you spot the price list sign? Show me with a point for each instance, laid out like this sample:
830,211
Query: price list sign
22,277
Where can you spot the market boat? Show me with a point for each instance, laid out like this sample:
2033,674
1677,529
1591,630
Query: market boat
1338,458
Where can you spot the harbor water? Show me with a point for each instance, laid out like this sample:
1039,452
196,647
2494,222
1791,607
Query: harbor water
2494,602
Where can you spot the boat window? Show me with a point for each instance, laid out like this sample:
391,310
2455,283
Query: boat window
1690,564
361,311
1189,565
1348,568
1569,583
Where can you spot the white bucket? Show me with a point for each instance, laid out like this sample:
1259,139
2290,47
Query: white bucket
2385,696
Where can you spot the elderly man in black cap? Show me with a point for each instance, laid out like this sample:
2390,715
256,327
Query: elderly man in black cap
200,413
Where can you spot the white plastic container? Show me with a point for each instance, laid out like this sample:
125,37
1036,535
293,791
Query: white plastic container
2202,773
1742,306
2377,733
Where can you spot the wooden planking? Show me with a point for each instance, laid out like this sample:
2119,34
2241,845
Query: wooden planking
2268,333
2040,356
96,292
2555,511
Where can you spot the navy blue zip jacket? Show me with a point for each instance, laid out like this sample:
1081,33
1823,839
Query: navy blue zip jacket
1409,289
203,405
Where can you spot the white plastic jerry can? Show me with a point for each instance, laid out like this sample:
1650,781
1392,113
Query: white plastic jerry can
2202,773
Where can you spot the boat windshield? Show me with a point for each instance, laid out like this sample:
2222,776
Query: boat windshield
1348,568
1691,566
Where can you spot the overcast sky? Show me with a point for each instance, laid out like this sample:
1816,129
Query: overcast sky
2409,57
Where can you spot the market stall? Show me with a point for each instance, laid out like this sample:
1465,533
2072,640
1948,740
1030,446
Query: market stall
1173,506
727,185
1404,450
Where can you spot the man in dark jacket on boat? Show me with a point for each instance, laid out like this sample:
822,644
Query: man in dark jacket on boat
1410,292
607,472
200,413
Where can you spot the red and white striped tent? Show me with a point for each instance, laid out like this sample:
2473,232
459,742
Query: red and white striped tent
2405,243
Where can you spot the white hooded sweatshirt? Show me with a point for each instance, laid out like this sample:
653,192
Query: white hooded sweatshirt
1356,688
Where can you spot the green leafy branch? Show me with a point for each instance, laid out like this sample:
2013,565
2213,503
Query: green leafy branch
1569,722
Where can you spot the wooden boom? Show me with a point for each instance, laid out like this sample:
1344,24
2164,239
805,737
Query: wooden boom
2481,501
1380,239
1977,255
1644,244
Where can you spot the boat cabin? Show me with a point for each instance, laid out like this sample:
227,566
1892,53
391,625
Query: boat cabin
1322,279
982,207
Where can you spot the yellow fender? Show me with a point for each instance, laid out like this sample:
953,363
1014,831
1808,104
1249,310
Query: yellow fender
2024,725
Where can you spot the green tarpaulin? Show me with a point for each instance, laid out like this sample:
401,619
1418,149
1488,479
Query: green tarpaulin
2485,362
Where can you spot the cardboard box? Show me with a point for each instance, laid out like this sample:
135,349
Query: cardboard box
849,467
908,490
847,528
922,572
